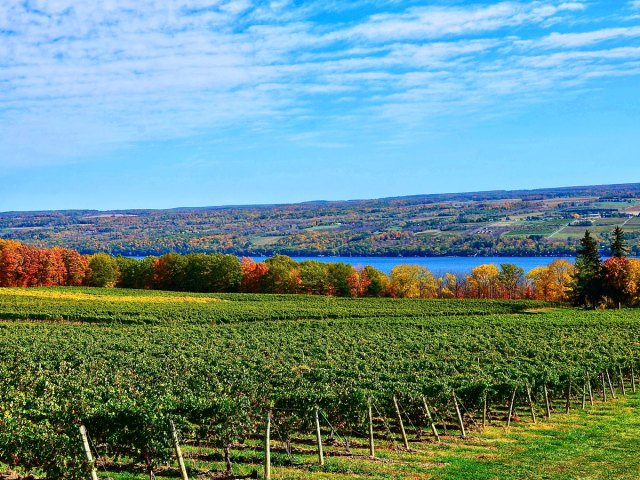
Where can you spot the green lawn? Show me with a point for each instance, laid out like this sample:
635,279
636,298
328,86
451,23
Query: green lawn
600,443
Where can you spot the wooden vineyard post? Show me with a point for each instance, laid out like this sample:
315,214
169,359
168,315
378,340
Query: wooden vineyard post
531,406
624,392
511,403
319,439
460,421
402,431
590,391
176,446
584,396
604,388
633,380
433,425
372,447
267,449
547,404
568,404
484,411
613,390
87,451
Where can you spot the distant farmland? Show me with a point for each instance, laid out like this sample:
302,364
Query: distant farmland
500,223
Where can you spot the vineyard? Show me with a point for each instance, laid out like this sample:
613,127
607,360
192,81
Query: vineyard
363,377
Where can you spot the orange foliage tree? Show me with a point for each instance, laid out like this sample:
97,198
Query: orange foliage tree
25,266
76,267
252,275
358,282
622,280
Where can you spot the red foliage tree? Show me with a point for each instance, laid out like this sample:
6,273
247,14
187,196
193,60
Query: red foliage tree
10,263
48,268
252,274
76,266
358,282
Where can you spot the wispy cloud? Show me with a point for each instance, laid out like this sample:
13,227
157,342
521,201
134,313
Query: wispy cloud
562,40
437,22
77,78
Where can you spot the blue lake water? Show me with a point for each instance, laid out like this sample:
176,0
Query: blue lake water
437,265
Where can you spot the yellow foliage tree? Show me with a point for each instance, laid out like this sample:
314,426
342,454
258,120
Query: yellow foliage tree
450,286
413,281
483,280
633,286
553,282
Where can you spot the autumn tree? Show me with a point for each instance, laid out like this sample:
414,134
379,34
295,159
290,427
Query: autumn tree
633,285
339,275
103,271
413,281
252,275
49,268
76,267
11,261
552,282
378,282
169,272
510,280
483,280
359,282
616,274
283,275
451,285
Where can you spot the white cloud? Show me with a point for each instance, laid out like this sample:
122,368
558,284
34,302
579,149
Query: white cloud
574,6
436,22
79,77
558,40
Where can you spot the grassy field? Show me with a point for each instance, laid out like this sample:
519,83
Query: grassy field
119,359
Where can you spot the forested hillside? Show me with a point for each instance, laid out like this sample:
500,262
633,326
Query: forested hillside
509,223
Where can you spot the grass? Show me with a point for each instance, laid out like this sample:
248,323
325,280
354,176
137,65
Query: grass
599,443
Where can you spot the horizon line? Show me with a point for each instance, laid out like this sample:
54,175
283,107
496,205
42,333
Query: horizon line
319,201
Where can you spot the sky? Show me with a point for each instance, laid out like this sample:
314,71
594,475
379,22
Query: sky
169,103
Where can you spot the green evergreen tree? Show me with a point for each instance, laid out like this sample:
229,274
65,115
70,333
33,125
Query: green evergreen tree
618,243
587,281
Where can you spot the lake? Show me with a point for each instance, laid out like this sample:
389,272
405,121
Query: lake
438,265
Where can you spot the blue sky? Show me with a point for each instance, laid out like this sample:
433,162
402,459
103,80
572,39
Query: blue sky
167,103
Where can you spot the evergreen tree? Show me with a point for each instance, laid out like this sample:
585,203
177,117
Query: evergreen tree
587,284
618,244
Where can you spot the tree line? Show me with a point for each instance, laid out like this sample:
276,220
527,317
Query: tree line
612,282
592,282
